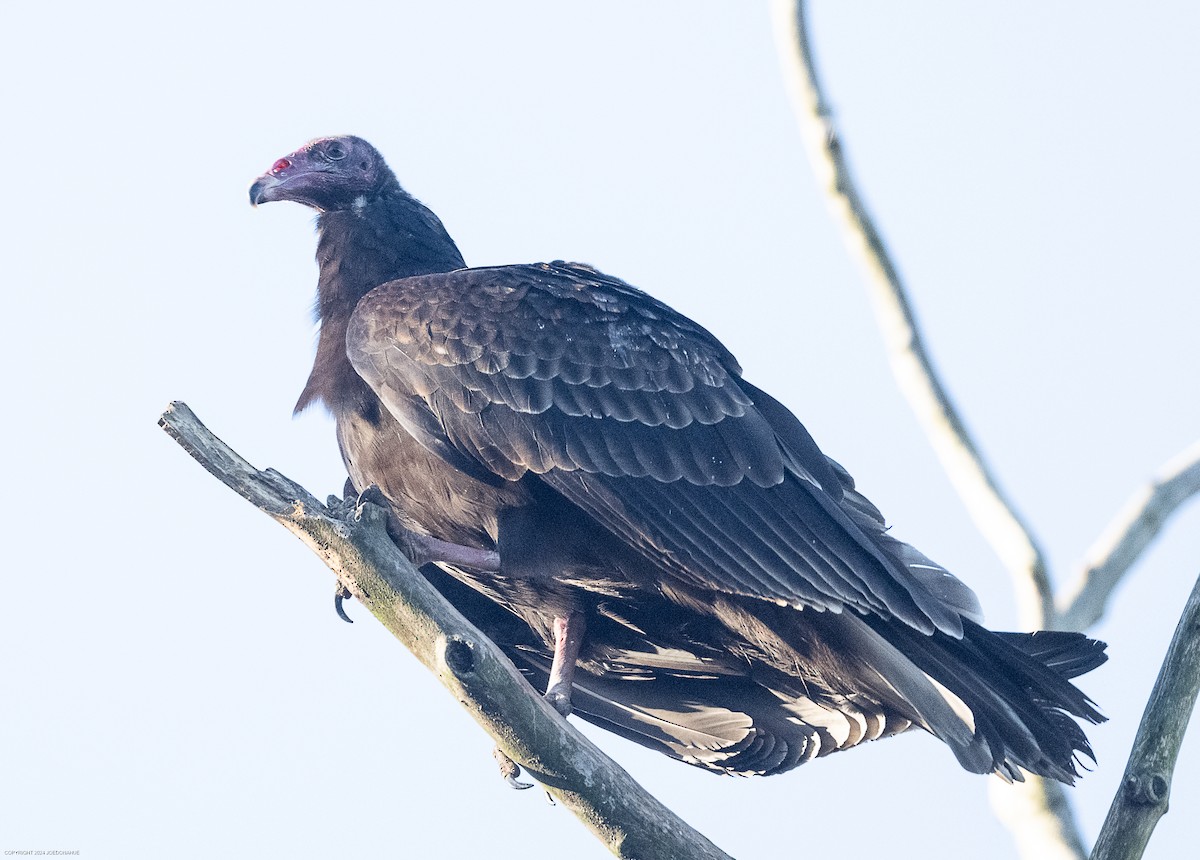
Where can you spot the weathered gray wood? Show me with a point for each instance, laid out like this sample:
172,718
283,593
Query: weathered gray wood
355,545
1128,537
1146,785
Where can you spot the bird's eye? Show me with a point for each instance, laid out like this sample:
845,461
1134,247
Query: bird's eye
281,164
335,152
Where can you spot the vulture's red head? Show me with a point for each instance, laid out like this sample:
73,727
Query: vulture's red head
328,174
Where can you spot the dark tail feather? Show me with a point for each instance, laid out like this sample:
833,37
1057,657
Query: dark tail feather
1068,654
1041,664
1017,686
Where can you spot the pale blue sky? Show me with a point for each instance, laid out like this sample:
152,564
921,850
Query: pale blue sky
175,681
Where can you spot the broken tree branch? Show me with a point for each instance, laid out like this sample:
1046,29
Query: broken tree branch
1127,537
623,815
1146,785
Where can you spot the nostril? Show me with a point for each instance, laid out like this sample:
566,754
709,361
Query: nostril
281,164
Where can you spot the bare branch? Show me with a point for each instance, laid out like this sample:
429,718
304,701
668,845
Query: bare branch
1146,786
1038,815
1127,537
993,513
623,815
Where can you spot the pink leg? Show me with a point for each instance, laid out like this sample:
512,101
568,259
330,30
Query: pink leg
568,639
422,549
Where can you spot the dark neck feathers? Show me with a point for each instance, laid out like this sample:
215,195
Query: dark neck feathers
391,237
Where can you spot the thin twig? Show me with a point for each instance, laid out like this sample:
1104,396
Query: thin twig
1146,786
1127,537
631,822
993,513
1053,829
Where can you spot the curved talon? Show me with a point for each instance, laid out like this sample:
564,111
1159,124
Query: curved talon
338,596
373,495
510,770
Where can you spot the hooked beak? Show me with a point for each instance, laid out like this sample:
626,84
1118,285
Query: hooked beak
265,189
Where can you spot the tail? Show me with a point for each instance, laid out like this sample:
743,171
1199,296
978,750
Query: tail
1016,686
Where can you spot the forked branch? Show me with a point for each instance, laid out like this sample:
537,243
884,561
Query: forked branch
1037,813
994,514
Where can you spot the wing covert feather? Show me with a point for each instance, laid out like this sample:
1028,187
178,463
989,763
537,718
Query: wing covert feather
639,417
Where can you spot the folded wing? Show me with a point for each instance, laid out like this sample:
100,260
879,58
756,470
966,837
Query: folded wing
639,417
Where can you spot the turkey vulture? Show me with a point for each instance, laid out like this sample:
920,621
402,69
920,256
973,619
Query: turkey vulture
657,543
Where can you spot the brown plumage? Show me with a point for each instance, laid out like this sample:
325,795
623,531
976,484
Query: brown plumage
745,608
